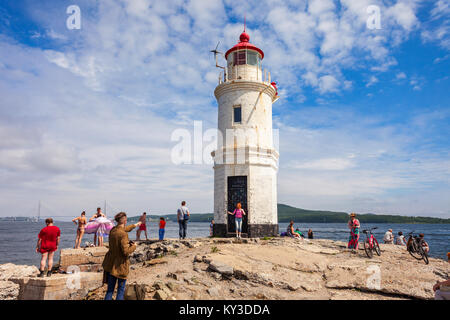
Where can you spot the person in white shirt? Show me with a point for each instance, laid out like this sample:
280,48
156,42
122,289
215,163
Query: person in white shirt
182,218
400,239
388,237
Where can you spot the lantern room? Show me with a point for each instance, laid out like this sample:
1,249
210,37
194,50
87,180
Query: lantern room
244,60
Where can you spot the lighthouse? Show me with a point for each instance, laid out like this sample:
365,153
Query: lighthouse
245,161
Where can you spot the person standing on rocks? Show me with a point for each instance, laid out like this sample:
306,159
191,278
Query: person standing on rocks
238,215
98,235
353,225
116,264
80,230
182,218
162,228
48,242
142,227
388,237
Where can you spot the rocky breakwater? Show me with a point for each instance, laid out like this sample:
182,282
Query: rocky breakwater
218,268
278,268
20,282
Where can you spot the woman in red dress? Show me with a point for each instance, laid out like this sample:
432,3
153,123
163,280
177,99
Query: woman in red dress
48,242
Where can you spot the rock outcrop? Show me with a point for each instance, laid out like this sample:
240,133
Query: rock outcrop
10,290
278,268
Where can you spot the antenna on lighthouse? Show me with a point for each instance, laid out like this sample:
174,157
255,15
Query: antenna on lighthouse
215,57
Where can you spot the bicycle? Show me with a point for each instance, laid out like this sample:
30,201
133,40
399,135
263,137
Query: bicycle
415,248
371,244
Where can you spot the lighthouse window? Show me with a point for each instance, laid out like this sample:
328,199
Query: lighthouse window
239,58
237,114
252,58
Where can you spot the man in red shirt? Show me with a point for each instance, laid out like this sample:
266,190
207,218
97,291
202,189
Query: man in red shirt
48,242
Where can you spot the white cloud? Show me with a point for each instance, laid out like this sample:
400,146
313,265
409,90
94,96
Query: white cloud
372,81
92,119
400,75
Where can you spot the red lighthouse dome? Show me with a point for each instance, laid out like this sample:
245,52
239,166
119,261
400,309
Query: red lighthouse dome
244,44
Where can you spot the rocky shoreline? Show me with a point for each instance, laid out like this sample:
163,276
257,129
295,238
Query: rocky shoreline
254,269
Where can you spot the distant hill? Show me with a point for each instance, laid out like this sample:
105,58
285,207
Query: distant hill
287,213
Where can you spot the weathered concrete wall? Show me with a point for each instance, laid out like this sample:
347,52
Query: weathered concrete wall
87,259
58,286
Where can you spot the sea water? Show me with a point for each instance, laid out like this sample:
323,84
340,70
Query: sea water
18,239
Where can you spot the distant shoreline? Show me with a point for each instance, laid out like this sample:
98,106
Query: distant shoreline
287,213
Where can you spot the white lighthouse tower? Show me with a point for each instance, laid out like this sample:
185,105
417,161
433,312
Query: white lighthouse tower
245,162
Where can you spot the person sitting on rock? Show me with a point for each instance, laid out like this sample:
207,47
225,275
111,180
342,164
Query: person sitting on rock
290,230
299,232
425,246
388,237
211,228
400,239
442,289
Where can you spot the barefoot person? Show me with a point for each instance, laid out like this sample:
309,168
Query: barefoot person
238,214
353,225
100,226
47,244
96,215
80,230
290,230
142,227
116,263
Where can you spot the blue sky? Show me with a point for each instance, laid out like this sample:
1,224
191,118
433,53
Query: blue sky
87,115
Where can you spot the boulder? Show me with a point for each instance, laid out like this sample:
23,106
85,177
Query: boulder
221,268
213,292
160,295
10,270
9,290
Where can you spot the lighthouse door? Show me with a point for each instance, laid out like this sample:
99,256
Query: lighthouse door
237,192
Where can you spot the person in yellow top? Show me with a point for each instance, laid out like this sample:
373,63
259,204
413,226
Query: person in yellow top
116,264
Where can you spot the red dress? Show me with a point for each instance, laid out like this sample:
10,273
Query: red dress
48,236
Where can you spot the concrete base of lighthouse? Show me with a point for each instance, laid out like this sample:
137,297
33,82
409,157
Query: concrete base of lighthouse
252,183
254,231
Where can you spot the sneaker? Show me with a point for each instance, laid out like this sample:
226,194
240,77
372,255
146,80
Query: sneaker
41,274
49,273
